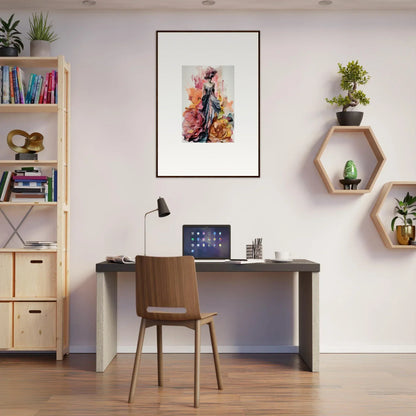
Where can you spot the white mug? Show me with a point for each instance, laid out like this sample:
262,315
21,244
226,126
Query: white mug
282,255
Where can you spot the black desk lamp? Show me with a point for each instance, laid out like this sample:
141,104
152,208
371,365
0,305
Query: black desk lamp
163,211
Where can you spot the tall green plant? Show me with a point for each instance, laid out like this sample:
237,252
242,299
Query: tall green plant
352,75
9,35
406,209
40,29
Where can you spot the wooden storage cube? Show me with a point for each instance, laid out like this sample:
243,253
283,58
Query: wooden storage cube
35,325
6,275
35,275
6,325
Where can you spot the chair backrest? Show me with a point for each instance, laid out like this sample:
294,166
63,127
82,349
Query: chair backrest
167,282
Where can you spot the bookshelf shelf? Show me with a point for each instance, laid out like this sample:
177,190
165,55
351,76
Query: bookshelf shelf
6,163
34,283
28,108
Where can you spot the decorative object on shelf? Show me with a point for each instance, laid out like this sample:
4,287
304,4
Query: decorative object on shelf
352,75
10,42
163,211
350,180
406,210
195,131
249,251
33,144
41,35
257,248
368,137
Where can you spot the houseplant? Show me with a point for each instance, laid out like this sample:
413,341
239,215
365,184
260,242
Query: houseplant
406,210
41,35
352,76
10,42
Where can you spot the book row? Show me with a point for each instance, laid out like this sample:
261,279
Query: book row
36,89
28,185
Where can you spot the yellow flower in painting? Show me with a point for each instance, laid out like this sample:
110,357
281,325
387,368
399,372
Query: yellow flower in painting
221,131
195,96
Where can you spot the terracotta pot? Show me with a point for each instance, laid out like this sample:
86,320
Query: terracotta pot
404,233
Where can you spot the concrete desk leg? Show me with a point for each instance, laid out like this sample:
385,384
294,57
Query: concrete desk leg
106,341
309,319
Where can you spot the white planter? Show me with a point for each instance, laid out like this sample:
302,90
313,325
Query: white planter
40,48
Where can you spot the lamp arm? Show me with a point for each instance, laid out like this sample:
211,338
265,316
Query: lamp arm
144,228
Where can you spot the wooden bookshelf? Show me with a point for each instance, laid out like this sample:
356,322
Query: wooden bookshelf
37,318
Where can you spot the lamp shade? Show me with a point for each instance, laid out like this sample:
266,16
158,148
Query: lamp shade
162,207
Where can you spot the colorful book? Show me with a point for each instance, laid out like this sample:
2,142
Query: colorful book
45,92
49,189
15,86
11,88
20,81
30,178
6,94
38,88
55,185
2,180
5,194
29,88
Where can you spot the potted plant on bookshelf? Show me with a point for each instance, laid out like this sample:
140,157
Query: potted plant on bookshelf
352,75
10,42
406,210
41,35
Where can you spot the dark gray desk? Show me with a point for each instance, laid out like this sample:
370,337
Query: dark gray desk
308,303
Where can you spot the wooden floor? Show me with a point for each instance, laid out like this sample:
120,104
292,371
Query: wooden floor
254,384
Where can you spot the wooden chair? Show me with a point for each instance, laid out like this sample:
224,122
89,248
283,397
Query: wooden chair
167,294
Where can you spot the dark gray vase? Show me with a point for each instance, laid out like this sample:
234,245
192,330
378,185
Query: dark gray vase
349,118
9,52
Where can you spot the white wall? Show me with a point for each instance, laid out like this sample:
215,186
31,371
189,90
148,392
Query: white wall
366,291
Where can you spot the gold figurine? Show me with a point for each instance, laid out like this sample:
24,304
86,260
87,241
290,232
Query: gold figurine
33,144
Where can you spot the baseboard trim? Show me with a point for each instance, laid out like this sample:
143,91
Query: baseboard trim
186,349
368,349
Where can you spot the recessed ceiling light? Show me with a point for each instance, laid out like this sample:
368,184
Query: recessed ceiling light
325,2
89,2
208,2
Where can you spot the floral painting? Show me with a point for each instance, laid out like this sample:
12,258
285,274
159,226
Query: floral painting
207,103
208,113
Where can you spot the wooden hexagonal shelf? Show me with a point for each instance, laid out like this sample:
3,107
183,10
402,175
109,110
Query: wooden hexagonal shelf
386,236
375,149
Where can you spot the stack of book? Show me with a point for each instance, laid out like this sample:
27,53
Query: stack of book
27,184
37,89
40,245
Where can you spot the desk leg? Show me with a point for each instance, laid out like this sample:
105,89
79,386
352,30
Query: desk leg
106,341
309,319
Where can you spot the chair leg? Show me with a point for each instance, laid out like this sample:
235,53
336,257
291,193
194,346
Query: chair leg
159,355
215,353
137,360
197,362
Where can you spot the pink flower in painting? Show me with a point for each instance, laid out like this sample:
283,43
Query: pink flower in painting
192,124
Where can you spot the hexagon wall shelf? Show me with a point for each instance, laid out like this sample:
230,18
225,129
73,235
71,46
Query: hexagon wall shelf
374,146
375,213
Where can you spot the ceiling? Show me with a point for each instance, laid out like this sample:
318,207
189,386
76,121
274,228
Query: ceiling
336,5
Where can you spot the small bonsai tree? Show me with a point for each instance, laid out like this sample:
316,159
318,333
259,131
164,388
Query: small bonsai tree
9,35
40,28
352,75
406,209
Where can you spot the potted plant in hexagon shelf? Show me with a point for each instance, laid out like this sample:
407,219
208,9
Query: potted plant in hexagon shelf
10,42
41,35
406,209
352,76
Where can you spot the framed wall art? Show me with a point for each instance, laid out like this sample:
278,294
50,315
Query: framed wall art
208,104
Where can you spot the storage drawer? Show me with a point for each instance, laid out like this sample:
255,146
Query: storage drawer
6,275
35,325
6,325
35,275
